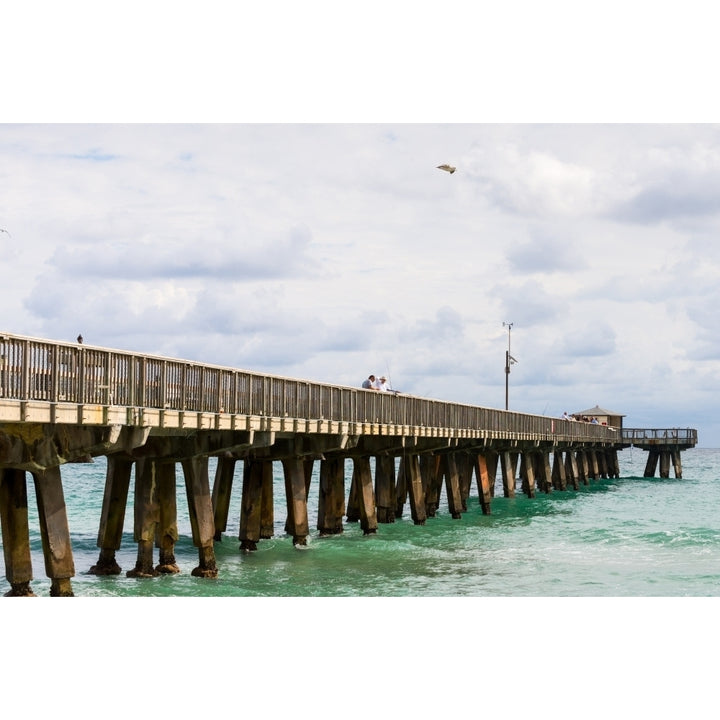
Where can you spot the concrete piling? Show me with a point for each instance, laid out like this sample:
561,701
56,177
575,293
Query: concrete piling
452,485
202,523
365,495
385,488
16,532
251,504
331,496
508,464
112,516
296,495
54,530
485,481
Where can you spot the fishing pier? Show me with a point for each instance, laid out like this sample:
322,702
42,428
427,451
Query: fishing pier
66,403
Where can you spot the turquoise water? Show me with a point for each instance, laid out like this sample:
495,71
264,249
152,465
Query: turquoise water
627,537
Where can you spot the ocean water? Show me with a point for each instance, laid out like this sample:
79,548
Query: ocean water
626,537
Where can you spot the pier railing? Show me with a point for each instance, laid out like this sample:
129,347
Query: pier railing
55,372
661,436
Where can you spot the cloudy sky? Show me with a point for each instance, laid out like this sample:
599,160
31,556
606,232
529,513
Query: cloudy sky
329,251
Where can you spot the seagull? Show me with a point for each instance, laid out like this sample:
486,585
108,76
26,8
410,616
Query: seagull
6,231
447,168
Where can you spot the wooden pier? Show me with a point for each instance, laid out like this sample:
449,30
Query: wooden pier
67,403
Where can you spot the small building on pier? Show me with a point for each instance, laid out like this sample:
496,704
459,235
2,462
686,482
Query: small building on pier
604,417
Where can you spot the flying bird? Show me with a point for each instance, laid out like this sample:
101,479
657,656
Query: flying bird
6,231
447,168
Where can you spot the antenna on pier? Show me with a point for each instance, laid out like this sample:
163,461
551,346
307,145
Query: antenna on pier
509,360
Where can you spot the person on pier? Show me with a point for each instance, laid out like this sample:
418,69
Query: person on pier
369,384
381,384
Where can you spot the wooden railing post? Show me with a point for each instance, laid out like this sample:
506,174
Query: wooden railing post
25,376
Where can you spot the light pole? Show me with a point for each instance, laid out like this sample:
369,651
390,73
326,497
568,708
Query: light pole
509,360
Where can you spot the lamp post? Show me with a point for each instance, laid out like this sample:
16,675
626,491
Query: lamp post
509,360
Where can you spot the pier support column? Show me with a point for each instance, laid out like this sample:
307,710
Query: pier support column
484,483
559,476
602,462
222,488
464,470
677,463
331,496
432,476
52,514
651,465
146,517
16,532
307,467
507,462
202,521
452,485
296,495
112,516
166,530
593,467
527,474
415,490
544,471
614,462
251,503
385,488
665,464
365,495
571,469
583,466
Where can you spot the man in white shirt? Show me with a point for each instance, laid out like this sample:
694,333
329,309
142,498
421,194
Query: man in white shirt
381,384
